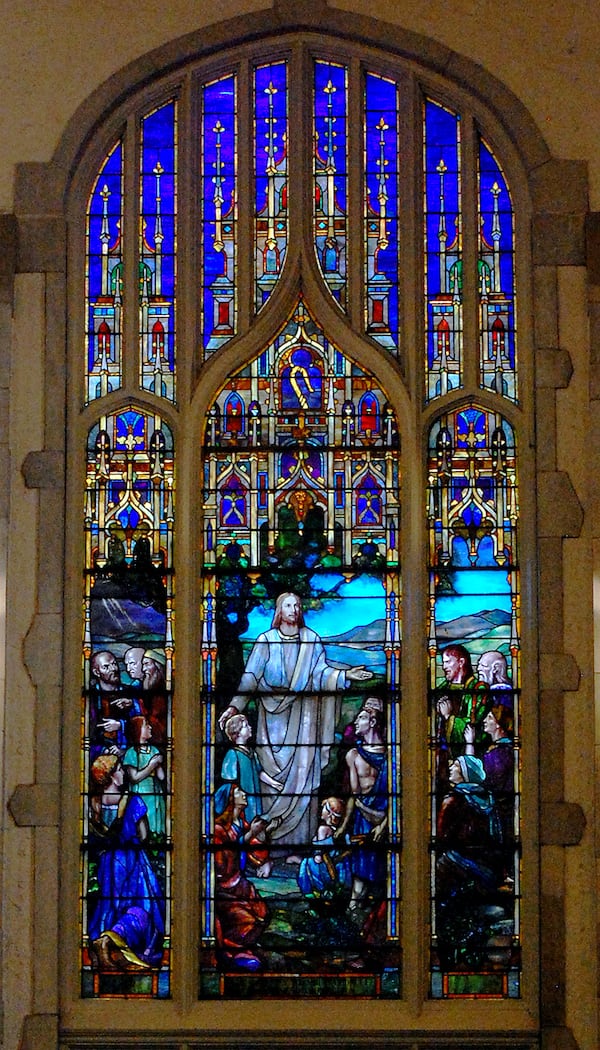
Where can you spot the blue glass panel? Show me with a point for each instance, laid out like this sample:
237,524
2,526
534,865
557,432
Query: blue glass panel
104,278
474,654
330,175
381,210
126,708
219,213
158,250
300,680
496,278
442,250
271,134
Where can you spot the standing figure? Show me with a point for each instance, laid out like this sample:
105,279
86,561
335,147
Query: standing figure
111,708
295,690
241,766
498,763
461,700
127,925
367,806
143,764
154,663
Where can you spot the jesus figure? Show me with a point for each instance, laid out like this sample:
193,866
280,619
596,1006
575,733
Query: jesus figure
297,700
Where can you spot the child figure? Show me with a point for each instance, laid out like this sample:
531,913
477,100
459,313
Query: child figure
143,764
241,765
327,873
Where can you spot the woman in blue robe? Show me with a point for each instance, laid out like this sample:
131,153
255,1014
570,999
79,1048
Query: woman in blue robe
127,926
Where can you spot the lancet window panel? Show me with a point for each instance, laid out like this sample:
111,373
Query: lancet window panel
301,613
104,278
496,278
474,659
158,250
271,167
219,249
331,175
382,253
443,249
126,714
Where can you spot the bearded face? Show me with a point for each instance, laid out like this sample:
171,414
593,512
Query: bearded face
153,674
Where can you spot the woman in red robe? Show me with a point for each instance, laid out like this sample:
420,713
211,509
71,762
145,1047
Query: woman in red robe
240,913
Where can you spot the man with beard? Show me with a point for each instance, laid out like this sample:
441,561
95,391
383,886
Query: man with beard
154,663
110,707
297,695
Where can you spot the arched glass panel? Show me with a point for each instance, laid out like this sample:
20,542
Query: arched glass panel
158,250
496,278
271,161
443,248
126,707
104,278
331,175
219,212
300,798
381,210
474,654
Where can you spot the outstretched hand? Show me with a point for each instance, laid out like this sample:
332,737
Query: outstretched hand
358,674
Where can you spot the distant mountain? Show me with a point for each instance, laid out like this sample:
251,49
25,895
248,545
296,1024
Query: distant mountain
370,633
487,623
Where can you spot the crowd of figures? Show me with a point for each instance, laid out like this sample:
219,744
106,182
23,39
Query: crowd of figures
127,811
474,811
271,810
300,797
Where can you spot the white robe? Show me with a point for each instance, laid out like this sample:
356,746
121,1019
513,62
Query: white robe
297,706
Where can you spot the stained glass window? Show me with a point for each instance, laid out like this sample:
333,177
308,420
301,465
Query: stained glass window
496,278
126,707
298,534
443,250
300,661
331,175
474,654
104,278
158,250
381,210
219,213
271,133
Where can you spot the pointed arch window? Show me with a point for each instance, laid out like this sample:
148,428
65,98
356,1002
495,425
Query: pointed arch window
333,354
